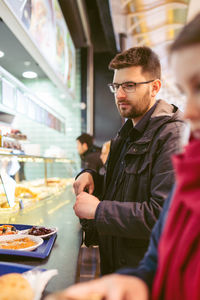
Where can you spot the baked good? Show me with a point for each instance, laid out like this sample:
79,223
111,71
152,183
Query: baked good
14,286
62,296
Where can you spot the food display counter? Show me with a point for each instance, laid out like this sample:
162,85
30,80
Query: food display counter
54,211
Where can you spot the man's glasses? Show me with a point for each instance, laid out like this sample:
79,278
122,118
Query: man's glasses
128,87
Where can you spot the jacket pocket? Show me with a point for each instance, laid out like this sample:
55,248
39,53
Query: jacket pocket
137,174
137,167
137,158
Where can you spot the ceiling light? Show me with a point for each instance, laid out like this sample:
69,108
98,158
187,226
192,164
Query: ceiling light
27,63
62,96
29,74
1,54
82,105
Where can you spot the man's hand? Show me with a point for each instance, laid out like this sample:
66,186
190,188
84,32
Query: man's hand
84,182
85,206
111,287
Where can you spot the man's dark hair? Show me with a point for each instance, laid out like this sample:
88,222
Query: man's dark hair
189,35
86,138
138,56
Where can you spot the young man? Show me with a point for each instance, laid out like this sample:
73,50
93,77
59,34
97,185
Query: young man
174,266
139,170
89,153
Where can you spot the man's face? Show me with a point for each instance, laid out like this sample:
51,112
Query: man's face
186,65
81,147
135,104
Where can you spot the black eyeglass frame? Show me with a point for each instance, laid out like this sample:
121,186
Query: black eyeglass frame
117,85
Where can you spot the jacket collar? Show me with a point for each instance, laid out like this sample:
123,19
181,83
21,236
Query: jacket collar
163,113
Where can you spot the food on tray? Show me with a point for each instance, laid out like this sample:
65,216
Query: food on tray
16,134
3,200
2,195
16,244
24,192
7,229
59,183
14,286
53,180
38,230
4,205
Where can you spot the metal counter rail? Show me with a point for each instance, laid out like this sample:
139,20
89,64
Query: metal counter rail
33,158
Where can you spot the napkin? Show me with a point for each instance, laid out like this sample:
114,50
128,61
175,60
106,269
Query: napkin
38,280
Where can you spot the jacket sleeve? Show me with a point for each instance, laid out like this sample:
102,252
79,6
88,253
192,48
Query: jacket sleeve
135,219
98,181
90,237
93,161
148,265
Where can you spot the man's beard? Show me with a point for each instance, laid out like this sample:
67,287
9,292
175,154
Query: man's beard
138,109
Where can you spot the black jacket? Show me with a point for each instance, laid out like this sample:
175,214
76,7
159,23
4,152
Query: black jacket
91,159
148,265
125,216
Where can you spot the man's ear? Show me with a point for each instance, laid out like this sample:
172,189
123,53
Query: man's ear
156,85
85,146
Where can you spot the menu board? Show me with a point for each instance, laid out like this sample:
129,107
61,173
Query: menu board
41,27
8,93
17,6
22,103
72,64
44,22
61,42
25,104
31,110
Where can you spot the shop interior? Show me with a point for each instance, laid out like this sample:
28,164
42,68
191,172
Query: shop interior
54,58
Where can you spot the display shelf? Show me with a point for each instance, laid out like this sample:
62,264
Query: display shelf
4,152
7,155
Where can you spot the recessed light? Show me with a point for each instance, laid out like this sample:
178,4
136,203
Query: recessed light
1,53
27,63
29,74
82,105
62,96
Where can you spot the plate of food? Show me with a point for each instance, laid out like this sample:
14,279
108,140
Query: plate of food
7,229
40,231
41,251
20,242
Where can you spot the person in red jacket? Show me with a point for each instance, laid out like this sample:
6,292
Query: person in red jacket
177,257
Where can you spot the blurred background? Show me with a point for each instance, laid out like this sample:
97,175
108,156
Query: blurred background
54,57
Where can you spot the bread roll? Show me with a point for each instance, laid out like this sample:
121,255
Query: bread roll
62,296
14,286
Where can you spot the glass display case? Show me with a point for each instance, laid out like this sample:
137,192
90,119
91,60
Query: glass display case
29,192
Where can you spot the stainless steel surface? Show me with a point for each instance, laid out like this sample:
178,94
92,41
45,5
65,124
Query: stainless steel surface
57,212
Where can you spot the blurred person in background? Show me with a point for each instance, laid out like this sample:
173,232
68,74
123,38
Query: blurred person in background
105,151
104,156
170,269
89,153
139,173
